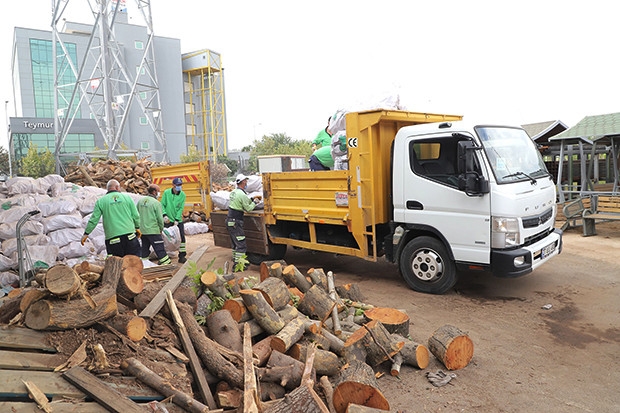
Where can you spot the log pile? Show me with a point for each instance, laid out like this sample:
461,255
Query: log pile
134,176
287,342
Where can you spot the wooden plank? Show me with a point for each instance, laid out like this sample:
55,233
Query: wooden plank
21,338
21,407
158,301
112,399
19,360
52,385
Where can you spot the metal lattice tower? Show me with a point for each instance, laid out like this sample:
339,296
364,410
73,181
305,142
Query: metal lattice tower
103,79
204,97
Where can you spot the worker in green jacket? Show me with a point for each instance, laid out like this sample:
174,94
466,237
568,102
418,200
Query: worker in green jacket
321,159
240,203
151,225
121,222
172,203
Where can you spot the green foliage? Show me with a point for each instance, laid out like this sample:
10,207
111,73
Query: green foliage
193,155
295,299
37,163
359,311
232,165
242,264
277,144
4,161
216,302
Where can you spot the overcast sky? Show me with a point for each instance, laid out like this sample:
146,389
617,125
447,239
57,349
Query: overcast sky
289,64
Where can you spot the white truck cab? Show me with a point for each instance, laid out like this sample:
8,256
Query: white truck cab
469,197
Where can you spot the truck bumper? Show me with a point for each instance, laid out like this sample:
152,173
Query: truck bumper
522,261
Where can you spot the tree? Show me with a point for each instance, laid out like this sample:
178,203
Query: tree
230,163
193,155
37,163
277,144
4,161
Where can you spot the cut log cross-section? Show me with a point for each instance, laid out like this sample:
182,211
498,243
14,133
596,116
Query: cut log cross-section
394,321
237,309
131,282
264,314
316,303
62,315
129,324
413,354
62,281
214,283
271,269
295,278
275,292
317,275
357,384
451,346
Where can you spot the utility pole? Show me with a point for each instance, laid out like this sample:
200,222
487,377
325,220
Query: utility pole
8,136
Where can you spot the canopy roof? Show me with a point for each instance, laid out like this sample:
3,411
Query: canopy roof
591,129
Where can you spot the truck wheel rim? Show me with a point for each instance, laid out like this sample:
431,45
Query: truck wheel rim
427,265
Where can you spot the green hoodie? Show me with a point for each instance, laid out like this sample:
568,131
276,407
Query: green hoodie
120,216
151,216
173,204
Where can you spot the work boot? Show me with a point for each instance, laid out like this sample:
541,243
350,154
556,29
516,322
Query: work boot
182,258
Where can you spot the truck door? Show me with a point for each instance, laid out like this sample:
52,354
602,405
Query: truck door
431,197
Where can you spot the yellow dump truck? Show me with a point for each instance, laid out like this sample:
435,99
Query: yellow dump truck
428,192
196,183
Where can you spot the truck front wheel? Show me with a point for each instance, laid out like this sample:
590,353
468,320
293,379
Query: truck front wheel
427,267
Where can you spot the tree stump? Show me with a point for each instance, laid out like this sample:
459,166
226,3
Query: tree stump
271,269
237,308
451,346
224,330
376,341
295,278
264,314
357,384
129,324
62,281
394,321
275,292
316,303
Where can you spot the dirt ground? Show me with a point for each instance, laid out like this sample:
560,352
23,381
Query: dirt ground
526,358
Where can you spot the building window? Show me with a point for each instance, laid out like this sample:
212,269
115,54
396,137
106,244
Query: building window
145,146
143,120
143,95
140,70
139,45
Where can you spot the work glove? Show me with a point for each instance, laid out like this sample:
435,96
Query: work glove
166,220
259,205
84,238
139,233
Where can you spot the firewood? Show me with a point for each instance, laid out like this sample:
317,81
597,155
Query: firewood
86,266
262,350
141,372
413,354
394,321
282,369
289,335
295,278
357,384
251,397
230,398
131,282
318,277
317,338
398,362
336,345
38,396
351,292
376,341
206,349
62,281
302,400
60,315
332,294
356,408
237,309
129,324
30,296
271,269
451,346
223,328
328,392
264,314
316,303
215,283
275,292
271,391
325,362
90,277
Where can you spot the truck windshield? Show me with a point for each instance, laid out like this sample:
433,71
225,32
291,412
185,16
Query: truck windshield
512,154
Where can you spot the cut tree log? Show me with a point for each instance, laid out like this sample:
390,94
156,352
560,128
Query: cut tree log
262,312
331,289
394,321
30,296
131,282
295,278
141,372
271,391
396,365
86,266
62,315
301,400
207,349
271,269
129,324
357,384
351,292
289,335
325,362
224,330
262,350
328,392
316,303
413,354
282,369
275,292
376,341
317,275
251,396
215,283
237,309
62,281
451,346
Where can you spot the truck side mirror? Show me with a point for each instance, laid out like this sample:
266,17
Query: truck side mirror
470,179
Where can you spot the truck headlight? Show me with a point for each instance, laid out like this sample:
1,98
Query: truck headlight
504,232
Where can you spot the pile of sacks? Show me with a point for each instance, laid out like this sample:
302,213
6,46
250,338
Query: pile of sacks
254,189
53,235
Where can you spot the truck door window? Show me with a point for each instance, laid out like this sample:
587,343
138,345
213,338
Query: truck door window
435,159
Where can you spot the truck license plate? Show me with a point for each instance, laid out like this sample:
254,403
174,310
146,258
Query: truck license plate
547,250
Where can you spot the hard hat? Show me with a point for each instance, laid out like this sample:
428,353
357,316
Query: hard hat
240,178
177,181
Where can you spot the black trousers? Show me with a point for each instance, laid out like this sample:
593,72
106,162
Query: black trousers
126,244
237,238
157,242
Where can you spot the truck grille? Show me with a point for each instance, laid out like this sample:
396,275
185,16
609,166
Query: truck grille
537,220
535,238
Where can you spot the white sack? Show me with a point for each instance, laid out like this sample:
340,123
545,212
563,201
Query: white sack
62,237
14,214
220,199
20,185
255,184
63,188
172,240
9,246
9,278
193,228
43,253
9,230
62,221
58,206
8,263
75,249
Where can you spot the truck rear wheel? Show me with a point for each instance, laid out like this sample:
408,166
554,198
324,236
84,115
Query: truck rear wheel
427,267
276,252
